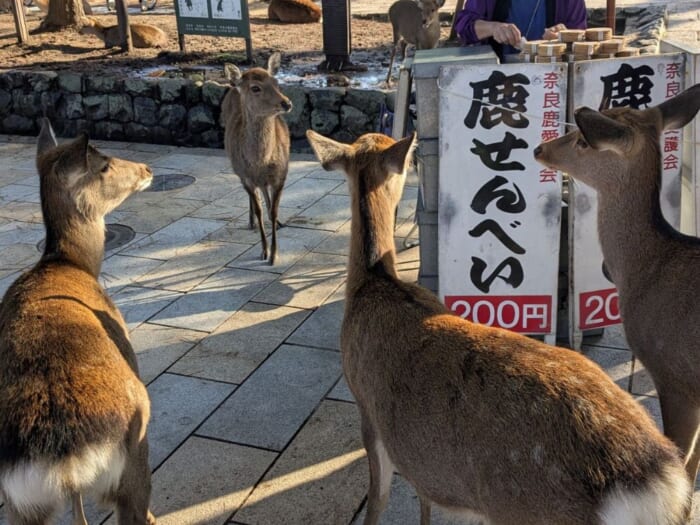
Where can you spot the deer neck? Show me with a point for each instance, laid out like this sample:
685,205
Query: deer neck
77,241
372,248
632,229
260,134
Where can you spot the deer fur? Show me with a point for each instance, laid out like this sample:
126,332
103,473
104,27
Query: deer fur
142,35
483,421
73,411
414,22
256,140
653,266
294,11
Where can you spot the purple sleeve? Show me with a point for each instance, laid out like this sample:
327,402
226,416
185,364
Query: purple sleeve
473,11
571,13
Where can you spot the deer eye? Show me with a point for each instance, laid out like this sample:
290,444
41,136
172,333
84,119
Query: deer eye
105,168
255,89
582,143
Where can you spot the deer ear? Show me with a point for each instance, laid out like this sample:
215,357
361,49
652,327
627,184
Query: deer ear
602,132
47,139
73,162
397,157
331,154
273,64
681,109
232,73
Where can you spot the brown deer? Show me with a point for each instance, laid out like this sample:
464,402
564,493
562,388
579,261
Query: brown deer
142,35
414,22
486,422
73,412
654,267
294,11
257,141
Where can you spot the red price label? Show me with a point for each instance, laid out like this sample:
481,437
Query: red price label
599,308
529,314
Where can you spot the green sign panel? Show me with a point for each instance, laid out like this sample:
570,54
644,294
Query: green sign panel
213,17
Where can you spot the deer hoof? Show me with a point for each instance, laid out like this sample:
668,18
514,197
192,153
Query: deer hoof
280,225
263,255
150,519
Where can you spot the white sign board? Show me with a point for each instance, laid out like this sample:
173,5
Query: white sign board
500,210
639,82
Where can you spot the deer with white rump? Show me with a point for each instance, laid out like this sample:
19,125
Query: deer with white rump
414,22
485,422
257,141
73,411
654,267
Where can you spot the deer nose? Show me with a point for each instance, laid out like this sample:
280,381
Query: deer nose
286,105
537,151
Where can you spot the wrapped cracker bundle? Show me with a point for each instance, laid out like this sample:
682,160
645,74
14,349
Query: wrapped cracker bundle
551,49
572,35
627,52
611,46
598,34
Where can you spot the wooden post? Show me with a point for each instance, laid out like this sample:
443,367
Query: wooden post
181,42
124,28
20,21
610,19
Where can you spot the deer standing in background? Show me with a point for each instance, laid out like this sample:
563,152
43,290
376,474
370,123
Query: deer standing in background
257,141
654,267
73,411
414,22
483,421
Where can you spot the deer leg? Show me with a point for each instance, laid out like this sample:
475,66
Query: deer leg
274,213
134,490
424,510
78,512
681,418
380,473
251,208
256,206
270,203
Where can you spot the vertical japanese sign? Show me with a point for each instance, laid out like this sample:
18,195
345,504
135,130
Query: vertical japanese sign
213,17
623,82
500,211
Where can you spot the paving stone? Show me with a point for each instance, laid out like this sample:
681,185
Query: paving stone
237,231
205,481
322,328
119,271
276,399
305,192
185,161
328,213
226,208
612,337
652,405
404,507
237,347
7,280
341,391
337,242
21,211
15,232
207,187
18,256
193,265
161,213
157,347
642,383
178,405
210,303
138,305
616,363
174,239
308,283
320,478
19,192
292,244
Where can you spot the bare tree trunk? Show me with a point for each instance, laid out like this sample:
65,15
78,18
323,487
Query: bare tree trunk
63,13
124,27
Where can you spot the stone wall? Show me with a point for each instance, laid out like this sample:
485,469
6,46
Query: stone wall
166,111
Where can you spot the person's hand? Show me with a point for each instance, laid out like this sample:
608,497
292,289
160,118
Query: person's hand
552,33
504,33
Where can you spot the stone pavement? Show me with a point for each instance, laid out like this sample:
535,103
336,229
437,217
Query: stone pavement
251,420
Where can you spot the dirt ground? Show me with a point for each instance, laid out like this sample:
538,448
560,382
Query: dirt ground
67,49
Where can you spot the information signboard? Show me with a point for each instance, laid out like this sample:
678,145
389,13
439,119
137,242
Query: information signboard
213,17
638,82
500,210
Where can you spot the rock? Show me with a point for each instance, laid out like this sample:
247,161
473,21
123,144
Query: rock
139,87
172,116
170,89
354,120
328,99
145,111
120,108
71,82
108,130
299,118
5,101
101,84
193,93
200,119
365,100
96,107
136,132
324,121
17,124
26,104
41,80
71,107
213,93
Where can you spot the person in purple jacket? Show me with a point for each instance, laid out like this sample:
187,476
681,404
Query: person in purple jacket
506,22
